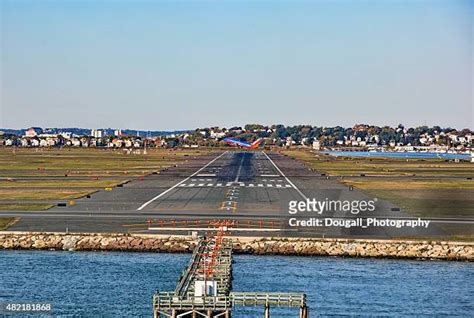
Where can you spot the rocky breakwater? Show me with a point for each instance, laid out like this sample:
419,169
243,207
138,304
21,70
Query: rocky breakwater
411,249
446,250
96,242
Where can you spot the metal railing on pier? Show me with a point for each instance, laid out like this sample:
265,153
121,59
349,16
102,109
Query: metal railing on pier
268,298
204,287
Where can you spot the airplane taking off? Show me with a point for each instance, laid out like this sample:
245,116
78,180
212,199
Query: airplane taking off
234,142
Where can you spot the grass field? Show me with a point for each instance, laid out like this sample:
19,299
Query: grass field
355,166
24,207
60,183
401,181
40,162
7,222
26,173
39,194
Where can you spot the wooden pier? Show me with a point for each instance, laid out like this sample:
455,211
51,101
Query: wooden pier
204,288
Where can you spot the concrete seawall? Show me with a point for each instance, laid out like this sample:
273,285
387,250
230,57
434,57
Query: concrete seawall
443,250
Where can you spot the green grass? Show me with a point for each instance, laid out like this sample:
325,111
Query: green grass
431,202
25,207
59,183
48,194
426,198
88,161
355,166
78,162
433,197
409,184
7,222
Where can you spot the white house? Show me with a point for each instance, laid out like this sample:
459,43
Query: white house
316,145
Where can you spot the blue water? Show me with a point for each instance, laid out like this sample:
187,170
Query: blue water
414,155
93,284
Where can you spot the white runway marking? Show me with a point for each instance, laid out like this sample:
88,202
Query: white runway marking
181,182
286,178
240,169
241,185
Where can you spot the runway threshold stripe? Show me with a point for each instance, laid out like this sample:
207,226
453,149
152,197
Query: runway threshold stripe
179,183
250,185
286,178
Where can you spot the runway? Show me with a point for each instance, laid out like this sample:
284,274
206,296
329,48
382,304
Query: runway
254,186
241,182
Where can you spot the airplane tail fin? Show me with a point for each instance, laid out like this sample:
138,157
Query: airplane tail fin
256,143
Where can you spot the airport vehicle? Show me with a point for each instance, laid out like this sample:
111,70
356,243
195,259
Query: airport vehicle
243,144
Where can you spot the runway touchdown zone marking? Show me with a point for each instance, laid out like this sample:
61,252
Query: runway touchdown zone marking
286,178
230,203
181,182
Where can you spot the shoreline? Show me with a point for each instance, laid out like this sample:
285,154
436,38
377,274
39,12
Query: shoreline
363,248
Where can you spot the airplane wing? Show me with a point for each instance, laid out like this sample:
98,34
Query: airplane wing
234,142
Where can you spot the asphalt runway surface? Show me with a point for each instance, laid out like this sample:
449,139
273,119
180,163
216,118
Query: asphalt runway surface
251,188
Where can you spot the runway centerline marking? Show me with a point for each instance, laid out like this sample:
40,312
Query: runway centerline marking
182,181
240,169
286,178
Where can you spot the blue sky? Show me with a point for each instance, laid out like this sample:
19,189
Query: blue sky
181,65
